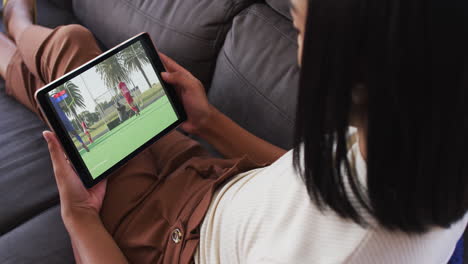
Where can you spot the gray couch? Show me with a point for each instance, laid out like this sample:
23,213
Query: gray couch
244,51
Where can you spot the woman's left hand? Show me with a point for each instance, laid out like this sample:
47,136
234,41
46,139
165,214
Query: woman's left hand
192,94
75,199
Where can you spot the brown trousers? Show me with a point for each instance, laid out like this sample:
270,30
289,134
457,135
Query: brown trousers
156,202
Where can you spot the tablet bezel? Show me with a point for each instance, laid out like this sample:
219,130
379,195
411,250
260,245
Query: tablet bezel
67,143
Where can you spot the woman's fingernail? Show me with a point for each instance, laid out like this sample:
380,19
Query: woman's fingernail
164,74
46,136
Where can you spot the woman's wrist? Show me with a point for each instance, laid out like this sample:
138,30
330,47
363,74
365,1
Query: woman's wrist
75,217
207,123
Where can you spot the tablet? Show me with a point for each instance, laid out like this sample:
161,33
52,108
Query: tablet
110,109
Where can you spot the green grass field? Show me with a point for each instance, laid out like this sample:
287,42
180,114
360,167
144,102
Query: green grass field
127,137
100,126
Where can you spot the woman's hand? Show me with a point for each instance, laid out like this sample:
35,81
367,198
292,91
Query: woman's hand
192,94
204,120
75,199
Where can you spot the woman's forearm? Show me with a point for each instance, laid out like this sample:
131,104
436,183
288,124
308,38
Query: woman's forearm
233,141
76,253
91,241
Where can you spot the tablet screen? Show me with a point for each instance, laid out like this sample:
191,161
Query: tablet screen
113,108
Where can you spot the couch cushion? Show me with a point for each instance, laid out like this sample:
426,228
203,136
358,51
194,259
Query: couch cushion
27,185
190,31
31,229
256,77
281,6
53,13
43,239
60,5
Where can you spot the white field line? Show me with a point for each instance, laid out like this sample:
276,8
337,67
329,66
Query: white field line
100,164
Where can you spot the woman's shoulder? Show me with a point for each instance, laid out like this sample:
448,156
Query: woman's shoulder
274,202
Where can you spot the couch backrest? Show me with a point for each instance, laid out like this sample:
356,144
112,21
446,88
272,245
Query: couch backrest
256,76
280,6
190,31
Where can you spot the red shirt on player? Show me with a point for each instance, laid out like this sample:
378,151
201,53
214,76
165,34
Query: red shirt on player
126,93
85,127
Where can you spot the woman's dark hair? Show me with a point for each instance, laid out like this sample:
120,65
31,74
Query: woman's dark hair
411,57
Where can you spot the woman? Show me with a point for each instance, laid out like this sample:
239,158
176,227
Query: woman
393,191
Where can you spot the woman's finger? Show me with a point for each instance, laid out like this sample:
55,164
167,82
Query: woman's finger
178,79
59,161
68,182
170,64
56,153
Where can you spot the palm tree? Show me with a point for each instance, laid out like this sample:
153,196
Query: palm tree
74,100
134,58
112,72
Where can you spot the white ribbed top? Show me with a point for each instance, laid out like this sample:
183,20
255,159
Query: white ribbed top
266,216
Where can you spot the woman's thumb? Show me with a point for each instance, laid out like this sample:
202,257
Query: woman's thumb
56,153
